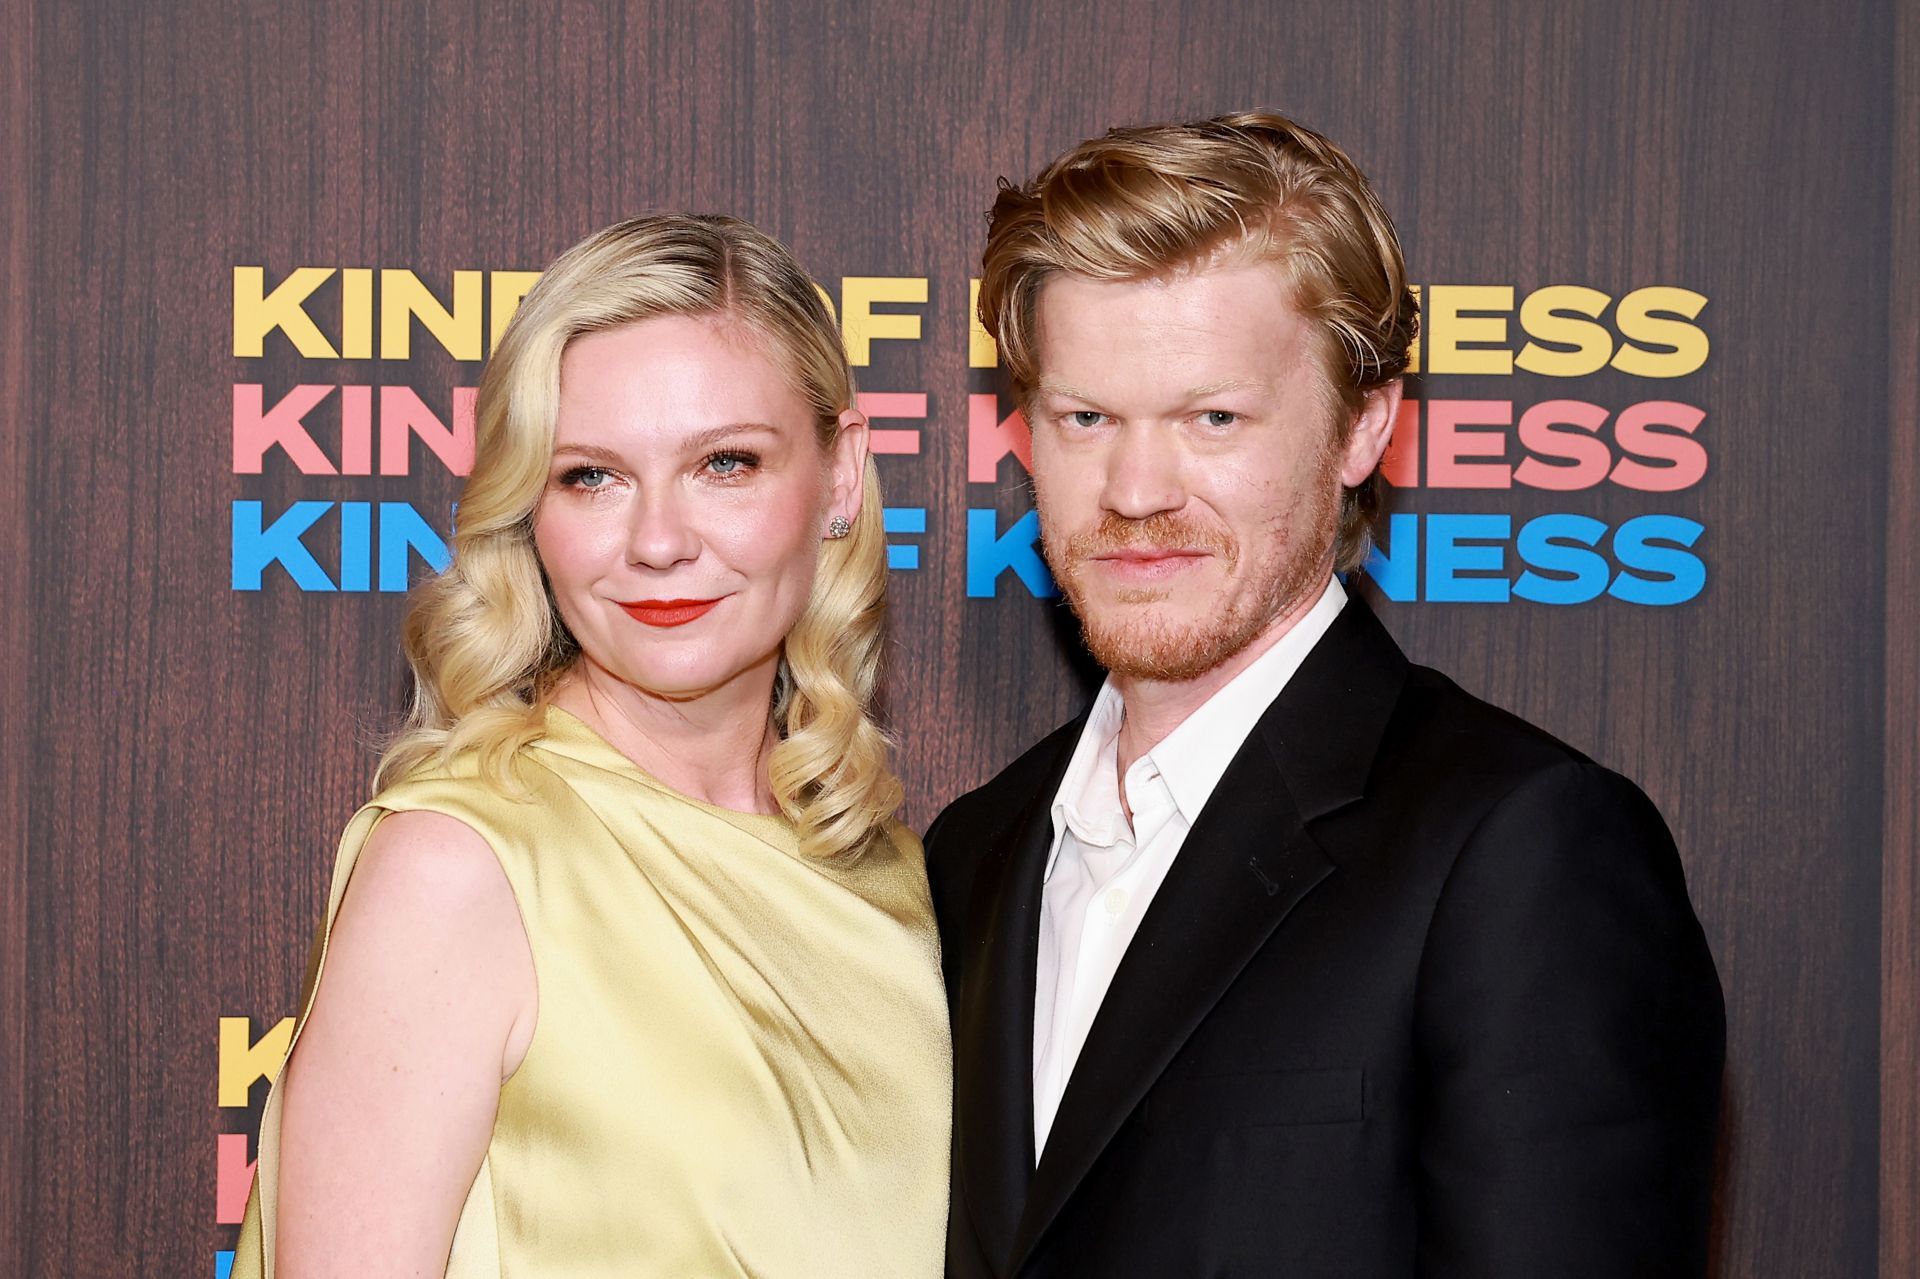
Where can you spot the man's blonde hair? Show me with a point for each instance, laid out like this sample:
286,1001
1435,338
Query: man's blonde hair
1143,202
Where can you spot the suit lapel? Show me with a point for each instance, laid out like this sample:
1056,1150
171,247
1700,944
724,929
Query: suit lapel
993,1024
1248,861
1244,866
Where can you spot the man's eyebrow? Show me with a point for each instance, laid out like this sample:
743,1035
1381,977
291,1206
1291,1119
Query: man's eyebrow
1224,385
1220,388
1047,386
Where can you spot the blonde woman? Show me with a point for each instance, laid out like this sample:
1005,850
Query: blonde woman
628,968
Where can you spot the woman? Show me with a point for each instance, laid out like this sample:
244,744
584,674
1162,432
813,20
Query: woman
628,968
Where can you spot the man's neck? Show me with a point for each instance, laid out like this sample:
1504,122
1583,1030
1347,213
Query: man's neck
1154,708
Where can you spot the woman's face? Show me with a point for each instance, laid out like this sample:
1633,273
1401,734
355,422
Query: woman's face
681,524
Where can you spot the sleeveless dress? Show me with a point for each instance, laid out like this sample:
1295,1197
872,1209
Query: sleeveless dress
740,1064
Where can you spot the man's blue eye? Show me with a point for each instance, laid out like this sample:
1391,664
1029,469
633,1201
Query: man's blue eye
1219,417
1084,417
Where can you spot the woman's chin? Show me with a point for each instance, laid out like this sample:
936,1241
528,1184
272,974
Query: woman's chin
682,681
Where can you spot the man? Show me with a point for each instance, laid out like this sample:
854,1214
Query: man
1288,958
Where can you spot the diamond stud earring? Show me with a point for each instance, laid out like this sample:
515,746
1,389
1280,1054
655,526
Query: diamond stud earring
837,527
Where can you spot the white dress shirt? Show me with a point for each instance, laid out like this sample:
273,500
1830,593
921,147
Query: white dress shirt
1102,872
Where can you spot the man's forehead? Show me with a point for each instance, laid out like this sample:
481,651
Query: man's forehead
1228,292
1222,330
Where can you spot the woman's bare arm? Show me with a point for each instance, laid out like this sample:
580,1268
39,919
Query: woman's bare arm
388,1103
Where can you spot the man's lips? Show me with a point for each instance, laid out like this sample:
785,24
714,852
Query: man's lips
667,612
1148,562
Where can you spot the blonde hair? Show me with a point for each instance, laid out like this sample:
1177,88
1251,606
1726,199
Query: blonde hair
1142,202
484,640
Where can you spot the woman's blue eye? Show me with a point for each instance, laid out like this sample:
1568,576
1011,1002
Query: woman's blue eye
585,477
1218,417
729,464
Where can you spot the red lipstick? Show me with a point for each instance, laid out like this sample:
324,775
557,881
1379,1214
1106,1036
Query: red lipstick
668,612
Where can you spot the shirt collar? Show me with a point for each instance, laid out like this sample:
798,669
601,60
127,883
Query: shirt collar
1194,756
1192,759
1094,812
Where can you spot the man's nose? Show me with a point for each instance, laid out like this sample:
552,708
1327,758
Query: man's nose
660,533
1145,472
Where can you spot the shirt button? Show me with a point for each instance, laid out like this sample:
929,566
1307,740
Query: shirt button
1116,900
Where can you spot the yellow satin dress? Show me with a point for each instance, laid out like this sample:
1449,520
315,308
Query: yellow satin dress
740,1065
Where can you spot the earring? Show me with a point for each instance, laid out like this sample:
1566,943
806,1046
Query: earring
837,528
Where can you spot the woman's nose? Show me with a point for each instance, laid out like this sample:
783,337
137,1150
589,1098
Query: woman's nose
661,534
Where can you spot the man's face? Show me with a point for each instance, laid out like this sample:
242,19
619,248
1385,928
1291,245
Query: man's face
1187,462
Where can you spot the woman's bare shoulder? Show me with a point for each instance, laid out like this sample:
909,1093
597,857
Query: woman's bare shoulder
429,926
422,853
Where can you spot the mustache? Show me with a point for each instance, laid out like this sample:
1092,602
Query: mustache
1161,531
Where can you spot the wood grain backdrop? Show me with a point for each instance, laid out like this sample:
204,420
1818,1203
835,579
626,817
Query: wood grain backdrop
1900,876
179,755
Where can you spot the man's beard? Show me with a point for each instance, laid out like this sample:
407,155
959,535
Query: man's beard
1134,640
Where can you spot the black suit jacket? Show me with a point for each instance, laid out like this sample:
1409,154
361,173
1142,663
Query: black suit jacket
1422,995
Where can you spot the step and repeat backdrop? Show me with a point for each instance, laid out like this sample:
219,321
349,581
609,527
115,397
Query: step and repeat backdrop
1640,486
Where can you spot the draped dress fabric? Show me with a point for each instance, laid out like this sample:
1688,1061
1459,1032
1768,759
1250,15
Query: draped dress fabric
740,1065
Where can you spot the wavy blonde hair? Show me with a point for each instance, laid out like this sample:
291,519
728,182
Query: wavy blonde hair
484,639
1142,202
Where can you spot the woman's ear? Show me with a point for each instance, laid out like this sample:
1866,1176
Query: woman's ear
847,463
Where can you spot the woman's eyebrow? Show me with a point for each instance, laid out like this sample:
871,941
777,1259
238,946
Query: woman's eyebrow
698,440
590,452
715,434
